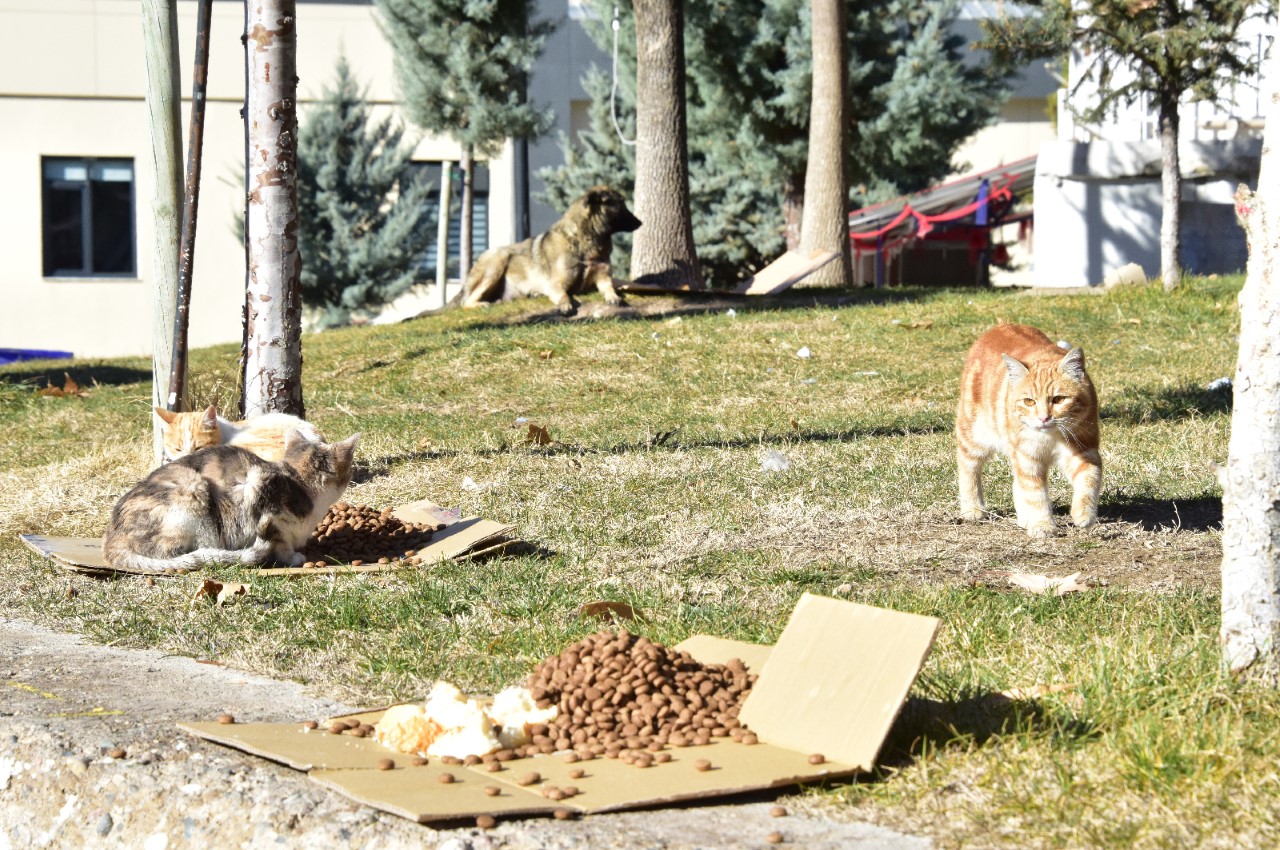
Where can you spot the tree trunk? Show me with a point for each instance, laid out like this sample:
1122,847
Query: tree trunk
1171,184
468,203
160,42
663,252
792,210
442,231
825,225
1251,480
273,302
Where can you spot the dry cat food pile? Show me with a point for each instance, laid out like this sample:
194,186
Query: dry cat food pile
618,693
357,535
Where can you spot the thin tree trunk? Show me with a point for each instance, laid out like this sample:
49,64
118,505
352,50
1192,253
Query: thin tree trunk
662,252
442,232
1251,480
1171,185
825,225
273,302
792,210
468,204
160,44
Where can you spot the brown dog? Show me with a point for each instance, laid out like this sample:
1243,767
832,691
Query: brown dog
560,263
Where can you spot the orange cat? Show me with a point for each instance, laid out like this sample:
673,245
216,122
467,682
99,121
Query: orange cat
1023,396
263,435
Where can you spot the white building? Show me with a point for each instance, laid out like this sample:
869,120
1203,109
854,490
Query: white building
1098,187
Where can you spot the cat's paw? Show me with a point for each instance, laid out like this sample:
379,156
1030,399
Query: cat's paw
1085,520
972,514
1040,529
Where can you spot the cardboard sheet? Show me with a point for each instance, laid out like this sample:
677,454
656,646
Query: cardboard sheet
832,685
837,677
461,537
783,273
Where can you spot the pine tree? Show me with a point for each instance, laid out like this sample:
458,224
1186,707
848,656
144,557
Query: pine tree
362,214
913,98
462,66
1172,48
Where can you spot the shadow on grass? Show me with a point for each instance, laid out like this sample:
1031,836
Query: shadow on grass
928,725
85,376
647,307
1168,403
367,470
1201,513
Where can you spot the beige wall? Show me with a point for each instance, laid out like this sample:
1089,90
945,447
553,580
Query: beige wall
1023,126
72,84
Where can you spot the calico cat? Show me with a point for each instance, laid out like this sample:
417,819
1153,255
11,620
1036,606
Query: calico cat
226,505
1025,397
263,435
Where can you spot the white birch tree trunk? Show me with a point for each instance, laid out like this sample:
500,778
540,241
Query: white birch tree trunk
1251,480
164,107
1171,194
273,290
442,232
824,223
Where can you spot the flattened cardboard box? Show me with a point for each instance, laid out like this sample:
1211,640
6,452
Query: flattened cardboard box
461,537
833,684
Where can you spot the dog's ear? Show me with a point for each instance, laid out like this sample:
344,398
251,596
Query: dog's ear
598,197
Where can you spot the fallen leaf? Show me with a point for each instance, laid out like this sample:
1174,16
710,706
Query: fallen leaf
219,592
609,612
69,388
1036,691
1045,585
538,435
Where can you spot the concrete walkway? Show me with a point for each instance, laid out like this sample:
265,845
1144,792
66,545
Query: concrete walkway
65,706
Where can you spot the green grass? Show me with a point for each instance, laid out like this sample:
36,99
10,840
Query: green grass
652,493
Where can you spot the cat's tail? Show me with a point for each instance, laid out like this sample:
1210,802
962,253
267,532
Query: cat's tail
134,562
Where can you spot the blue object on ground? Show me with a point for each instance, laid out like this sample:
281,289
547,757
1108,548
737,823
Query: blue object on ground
14,355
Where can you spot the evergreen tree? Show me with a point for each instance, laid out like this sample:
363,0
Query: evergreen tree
462,66
1172,48
362,214
913,96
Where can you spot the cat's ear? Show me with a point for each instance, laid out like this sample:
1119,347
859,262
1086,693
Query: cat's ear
165,416
210,419
1015,369
344,452
1073,364
294,437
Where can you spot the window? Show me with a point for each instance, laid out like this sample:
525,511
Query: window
479,216
87,217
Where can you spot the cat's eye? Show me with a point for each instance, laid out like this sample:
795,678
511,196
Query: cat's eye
1058,399
1029,401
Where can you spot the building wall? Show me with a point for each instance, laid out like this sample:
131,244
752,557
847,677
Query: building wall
1102,203
82,94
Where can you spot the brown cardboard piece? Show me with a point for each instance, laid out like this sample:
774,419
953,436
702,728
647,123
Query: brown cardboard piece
833,685
783,273
461,537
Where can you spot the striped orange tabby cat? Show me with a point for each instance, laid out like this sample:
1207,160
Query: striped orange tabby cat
1025,397
263,435
226,505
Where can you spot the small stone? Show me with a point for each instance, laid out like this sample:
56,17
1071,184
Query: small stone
486,821
817,758
577,773
563,814
445,778
418,761
386,764
530,778
310,724
226,718
117,753
778,812
774,838
105,823
702,765
492,790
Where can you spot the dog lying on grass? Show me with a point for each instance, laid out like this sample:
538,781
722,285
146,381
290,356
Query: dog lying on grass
560,263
